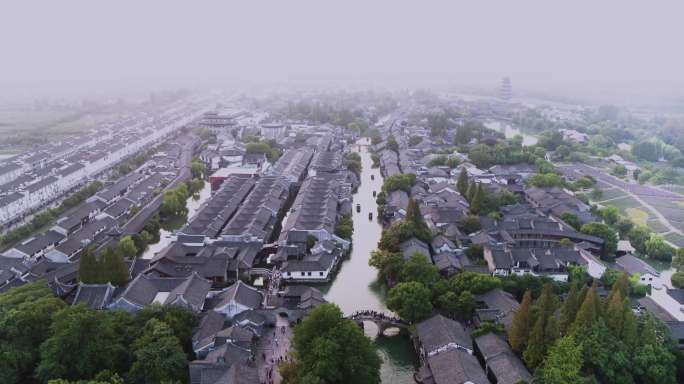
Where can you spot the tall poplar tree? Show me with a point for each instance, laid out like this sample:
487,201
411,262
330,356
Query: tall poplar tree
520,324
588,312
536,346
462,183
88,266
569,309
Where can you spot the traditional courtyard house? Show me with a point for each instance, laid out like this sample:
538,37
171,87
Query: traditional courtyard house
189,292
501,364
236,299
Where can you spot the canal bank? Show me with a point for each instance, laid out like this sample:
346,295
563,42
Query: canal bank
168,227
356,287
510,132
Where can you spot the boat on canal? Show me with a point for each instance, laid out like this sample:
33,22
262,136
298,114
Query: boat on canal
358,207
370,215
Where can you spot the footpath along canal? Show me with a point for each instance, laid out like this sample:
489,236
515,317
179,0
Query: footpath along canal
355,286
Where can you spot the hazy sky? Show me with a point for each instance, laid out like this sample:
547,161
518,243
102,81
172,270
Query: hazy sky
633,46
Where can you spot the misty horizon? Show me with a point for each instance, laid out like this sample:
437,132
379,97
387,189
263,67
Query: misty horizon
581,48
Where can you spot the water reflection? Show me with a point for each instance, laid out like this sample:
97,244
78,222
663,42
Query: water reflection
170,225
356,286
510,131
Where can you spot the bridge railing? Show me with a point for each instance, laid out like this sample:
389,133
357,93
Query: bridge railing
376,316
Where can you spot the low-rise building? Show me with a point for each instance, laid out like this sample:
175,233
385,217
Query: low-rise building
635,266
236,299
187,292
501,364
446,353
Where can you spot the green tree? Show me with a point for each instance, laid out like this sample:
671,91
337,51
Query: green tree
418,268
470,224
25,317
563,363
461,305
463,182
520,325
345,227
392,144
596,194
400,181
604,232
477,200
678,279
113,268
569,309
415,140
536,347
638,236
126,247
610,276
588,311
656,248
82,343
197,169
545,180
653,362
678,260
623,226
159,356
331,349
411,300
388,264
605,355
88,268
610,214
619,171
572,220
181,321
477,283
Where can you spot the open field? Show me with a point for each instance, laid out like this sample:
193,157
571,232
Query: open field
623,204
656,226
20,121
673,210
637,215
612,193
675,239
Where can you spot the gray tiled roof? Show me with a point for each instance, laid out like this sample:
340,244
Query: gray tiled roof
438,331
501,361
95,296
455,366
241,293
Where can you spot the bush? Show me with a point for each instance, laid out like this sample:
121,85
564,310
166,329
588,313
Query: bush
678,279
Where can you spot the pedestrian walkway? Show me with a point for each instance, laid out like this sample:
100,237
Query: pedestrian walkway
273,349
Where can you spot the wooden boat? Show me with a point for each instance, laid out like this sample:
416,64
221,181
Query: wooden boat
373,193
358,207
370,215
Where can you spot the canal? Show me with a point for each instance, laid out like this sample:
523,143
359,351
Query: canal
168,227
355,286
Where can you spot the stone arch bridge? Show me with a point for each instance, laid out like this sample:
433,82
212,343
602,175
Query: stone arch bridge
382,320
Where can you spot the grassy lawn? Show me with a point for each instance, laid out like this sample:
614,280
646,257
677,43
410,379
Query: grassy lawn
675,239
612,194
637,215
656,226
623,204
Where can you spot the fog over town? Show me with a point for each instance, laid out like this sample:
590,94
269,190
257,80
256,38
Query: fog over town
335,192
611,47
